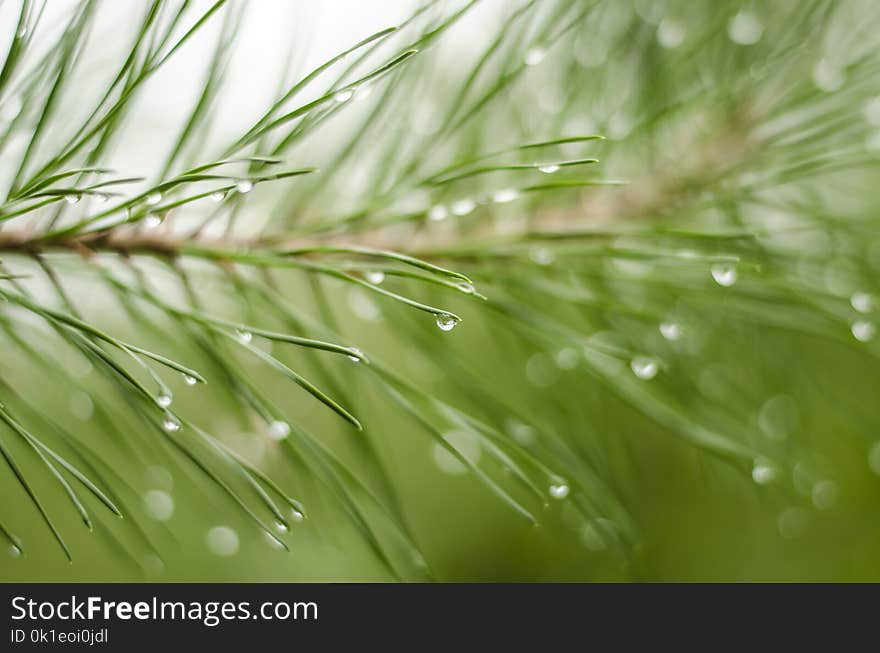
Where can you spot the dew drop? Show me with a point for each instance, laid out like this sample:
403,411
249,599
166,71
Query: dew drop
152,221
244,186
463,207
438,213
862,302
465,286
101,198
763,473
825,494
446,322
745,29
296,515
670,33
72,198
219,196
375,277
535,55
171,425
548,168
567,358
190,380
14,550
222,541
356,354
670,330
279,430
792,522
163,400
505,195
863,331
159,505
644,367
725,274
244,336
281,527
153,199
343,96
559,490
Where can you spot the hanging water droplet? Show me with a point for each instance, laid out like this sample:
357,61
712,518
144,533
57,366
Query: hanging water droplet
14,550
219,196
296,515
153,198
862,302
159,505
466,287
438,213
535,55
356,354
101,198
281,527
548,168
505,195
446,322
244,186
170,424
244,336
745,29
163,400
72,198
559,490
670,330
763,472
725,274
824,494
375,277
343,96
463,207
279,430
863,331
190,380
644,367
152,221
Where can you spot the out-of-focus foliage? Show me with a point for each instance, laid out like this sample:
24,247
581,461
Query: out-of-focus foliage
538,290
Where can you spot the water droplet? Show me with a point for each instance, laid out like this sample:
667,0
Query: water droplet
296,515
725,274
72,198
567,358
279,430
548,168
14,550
463,207
375,277
827,77
505,195
862,302
541,255
825,494
863,331
190,380
670,330
153,199
446,322
244,336
171,424
644,367
163,400
559,490
465,286
281,527
763,473
101,198
159,505
219,196
152,221
244,186
874,458
745,29
356,354
438,213
343,96
535,55
524,434
222,541
778,417
670,33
